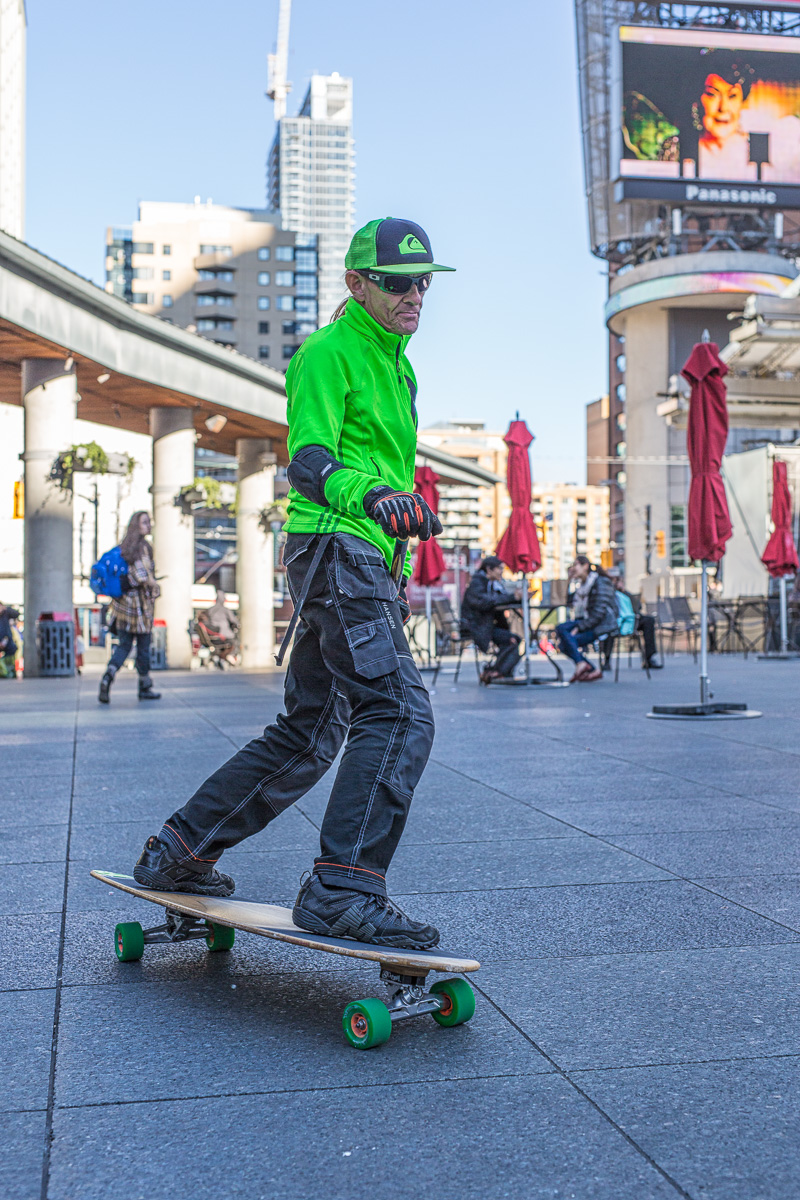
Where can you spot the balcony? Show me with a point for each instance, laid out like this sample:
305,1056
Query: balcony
205,262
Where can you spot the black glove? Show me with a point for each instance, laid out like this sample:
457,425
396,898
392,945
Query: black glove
401,514
402,600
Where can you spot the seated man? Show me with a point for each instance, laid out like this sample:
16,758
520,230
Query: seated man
483,618
645,623
595,616
223,626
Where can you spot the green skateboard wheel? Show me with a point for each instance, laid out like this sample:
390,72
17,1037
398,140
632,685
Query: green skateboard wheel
129,941
460,999
219,937
367,1023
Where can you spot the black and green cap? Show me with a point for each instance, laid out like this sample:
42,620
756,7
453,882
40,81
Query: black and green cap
393,246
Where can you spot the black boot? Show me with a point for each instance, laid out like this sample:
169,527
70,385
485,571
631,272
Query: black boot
146,689
105,685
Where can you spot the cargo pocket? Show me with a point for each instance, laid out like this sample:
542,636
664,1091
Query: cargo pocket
372,649
360,571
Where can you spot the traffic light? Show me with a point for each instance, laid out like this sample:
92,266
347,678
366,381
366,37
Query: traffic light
19,500
661,544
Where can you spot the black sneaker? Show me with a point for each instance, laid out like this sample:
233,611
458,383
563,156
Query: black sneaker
338,912
158,869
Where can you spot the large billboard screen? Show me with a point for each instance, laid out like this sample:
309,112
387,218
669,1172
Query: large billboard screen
709,117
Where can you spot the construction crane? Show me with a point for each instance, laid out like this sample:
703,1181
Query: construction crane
278,88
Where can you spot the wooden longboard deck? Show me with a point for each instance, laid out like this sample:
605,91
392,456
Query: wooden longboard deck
273,921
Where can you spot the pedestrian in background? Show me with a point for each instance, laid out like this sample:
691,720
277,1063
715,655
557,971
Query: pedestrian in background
8,643
132,613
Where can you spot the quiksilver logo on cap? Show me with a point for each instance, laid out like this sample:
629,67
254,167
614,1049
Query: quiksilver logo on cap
411,245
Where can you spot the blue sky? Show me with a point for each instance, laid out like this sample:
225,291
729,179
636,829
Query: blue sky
466,120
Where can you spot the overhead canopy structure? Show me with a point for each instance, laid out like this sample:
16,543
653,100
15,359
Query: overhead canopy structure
47,311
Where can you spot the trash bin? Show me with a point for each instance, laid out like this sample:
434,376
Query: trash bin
55,641
158,646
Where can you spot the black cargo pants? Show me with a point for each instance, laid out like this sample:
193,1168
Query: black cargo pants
351,675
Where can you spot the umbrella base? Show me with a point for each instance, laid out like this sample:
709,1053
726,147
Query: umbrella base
780,655
537,681
715,710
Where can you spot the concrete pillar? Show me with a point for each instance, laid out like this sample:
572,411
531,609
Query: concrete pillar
254,567
172,430
49,397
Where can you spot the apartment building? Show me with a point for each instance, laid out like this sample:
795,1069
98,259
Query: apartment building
230,274
311,178
570,518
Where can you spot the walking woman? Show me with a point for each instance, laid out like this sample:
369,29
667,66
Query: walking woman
132,613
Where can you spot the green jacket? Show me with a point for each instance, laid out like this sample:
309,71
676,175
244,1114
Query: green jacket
351,389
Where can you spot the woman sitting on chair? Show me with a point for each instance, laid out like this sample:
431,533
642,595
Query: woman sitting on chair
595,616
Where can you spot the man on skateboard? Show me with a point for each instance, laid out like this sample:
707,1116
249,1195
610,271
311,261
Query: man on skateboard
352,441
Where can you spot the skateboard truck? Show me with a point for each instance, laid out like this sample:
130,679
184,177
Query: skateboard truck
408,995
176,928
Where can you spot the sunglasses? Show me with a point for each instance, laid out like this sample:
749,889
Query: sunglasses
398,285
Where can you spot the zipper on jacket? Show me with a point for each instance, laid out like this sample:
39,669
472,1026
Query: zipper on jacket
403,381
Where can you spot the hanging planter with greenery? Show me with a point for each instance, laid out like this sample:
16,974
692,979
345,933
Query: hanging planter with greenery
88,458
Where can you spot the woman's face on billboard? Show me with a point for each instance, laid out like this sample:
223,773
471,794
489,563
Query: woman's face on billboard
722,106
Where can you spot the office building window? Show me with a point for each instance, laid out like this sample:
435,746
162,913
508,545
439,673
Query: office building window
284,303
307,308
207,323
306,285
263,326
287,328
284,253
166,276
304,328
166,248
263,278
142,273
166,301
215,276
621,392
288,351
207,248
263,351
263,302
142,248
142,298
284,278
264,253
678,553
305,260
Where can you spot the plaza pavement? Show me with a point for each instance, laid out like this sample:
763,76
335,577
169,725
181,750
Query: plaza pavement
631,887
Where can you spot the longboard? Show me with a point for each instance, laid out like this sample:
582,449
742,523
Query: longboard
366,1023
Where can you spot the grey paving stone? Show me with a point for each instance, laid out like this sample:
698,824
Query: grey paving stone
675,1006
774,896
460,866
667,814
718,852
21,1160
27,890
593,919
120,840
573,1152
725,1131
29,952
107,1035
33,844
26,1019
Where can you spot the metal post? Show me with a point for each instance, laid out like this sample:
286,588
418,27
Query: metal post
96,503
429,619
705,690
784,616
648,546
526,627
457,574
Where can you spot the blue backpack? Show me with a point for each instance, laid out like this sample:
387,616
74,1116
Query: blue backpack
107,572
626,617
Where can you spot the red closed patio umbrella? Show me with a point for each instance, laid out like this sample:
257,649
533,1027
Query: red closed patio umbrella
780,555
429,566
519,545
708,517
706,435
